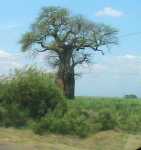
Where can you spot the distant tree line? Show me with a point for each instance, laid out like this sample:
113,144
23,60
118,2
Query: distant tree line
130,96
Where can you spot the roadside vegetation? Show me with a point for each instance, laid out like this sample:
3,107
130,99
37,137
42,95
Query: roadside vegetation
29,98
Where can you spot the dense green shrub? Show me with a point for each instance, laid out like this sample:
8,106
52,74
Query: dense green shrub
32,91
106,119
12,116
74,122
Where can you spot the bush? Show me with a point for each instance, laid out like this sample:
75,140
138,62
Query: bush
31,91
74,122
12,116
106,119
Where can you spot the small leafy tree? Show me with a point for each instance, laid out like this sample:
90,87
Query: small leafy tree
69,41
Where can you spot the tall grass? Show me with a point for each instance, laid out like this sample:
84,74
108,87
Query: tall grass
119,113
88,115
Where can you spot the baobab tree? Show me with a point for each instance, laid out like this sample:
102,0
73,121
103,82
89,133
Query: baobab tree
68,40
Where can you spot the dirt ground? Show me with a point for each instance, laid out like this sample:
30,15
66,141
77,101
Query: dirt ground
13,139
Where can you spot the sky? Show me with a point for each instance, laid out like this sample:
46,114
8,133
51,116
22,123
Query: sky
117,73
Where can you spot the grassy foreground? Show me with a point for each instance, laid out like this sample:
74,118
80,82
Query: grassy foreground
13,139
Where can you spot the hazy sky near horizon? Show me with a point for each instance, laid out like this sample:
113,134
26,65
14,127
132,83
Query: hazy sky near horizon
116,73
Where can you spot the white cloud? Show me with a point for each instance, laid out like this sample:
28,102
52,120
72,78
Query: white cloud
129,65
9,61
116,66
6,56
109,11
112,76
97,69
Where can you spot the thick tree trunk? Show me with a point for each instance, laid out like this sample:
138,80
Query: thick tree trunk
66,77
67,82
69,85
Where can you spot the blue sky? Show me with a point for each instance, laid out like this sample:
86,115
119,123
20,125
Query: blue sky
115,74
